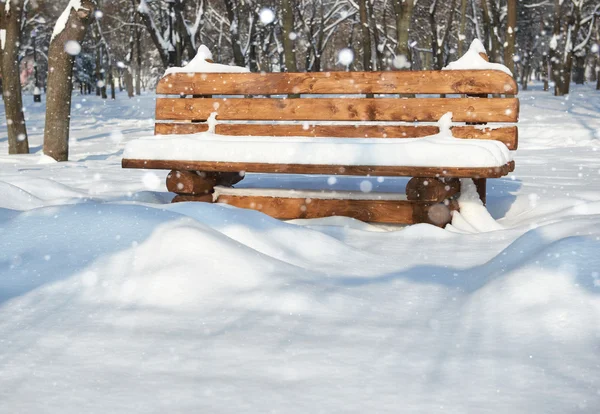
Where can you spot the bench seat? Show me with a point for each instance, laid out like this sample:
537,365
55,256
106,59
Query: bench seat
435,155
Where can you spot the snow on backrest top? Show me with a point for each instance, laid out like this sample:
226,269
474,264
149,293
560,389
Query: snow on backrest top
202,63
472,60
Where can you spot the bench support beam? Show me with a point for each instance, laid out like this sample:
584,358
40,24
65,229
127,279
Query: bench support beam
374,211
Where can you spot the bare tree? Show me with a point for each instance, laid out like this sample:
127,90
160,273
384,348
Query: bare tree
491,20
463,24
568,39
365,12
69,32
10,24
440,33
511,29
162,45
234,31
289,35
404,12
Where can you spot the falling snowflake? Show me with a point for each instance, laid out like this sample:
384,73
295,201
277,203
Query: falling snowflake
346,56
401,62
72,47
266,16
366,186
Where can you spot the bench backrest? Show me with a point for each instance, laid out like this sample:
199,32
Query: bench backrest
335,104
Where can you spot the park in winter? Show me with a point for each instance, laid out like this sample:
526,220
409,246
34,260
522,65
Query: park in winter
300,206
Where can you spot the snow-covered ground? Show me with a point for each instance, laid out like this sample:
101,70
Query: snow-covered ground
114,300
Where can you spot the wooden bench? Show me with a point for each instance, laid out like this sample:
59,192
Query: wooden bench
254,104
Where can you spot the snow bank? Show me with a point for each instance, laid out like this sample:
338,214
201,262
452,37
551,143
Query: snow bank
133,307
440,150
472,60
473,217
200,64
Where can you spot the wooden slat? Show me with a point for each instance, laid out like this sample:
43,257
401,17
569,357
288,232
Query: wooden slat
340,109
401,82
400,212
508,135
180,198
392,171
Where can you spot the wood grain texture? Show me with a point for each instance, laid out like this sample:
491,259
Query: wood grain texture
340,109
400,212
390,171
393,82
206,198
189,182
507,135
432,189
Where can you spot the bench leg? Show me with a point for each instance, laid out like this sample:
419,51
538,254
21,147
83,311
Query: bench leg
198,186
480,184
190,182
432,199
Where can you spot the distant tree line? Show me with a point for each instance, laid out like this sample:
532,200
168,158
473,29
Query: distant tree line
129,43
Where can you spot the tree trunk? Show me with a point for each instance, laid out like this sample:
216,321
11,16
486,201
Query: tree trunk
366,36
579,70
404,11
567,67
439,43
13,100
111,80
288,43
597,69
511,27
185,41
544,71
491,21
138,66
128,82
154,33
60,81
555,61
461,30
525,73
98,67
233,16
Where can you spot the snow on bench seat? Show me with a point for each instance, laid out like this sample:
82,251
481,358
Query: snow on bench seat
438,150
307,194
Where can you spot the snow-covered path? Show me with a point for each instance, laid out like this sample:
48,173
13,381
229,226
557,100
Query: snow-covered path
112,300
